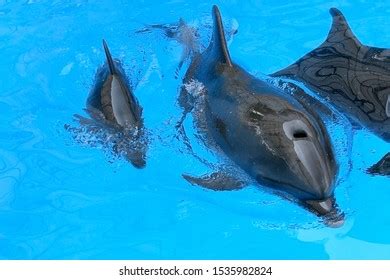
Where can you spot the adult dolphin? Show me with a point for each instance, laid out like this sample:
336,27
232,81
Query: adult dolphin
263,130
353,76
112,102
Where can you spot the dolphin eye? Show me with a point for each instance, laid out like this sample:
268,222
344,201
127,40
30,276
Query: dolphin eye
299,134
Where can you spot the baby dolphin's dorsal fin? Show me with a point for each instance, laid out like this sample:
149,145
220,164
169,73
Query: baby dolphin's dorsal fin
340,28
110,62
218,42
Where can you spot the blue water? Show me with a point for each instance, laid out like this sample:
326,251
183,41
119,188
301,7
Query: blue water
63,197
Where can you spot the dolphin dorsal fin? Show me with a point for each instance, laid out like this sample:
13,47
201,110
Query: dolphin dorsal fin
218,42
340,29
110,62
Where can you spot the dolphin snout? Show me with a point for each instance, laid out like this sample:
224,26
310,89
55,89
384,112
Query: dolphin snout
328,210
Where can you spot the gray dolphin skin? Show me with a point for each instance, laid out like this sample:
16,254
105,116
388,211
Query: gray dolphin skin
113,101
263,130
353,76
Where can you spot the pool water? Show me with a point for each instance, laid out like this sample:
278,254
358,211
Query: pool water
67,196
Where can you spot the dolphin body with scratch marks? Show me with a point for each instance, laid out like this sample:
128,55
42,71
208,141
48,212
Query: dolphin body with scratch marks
266,132
352,76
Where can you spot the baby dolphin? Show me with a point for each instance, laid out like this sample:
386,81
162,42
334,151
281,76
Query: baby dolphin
265,131
113,102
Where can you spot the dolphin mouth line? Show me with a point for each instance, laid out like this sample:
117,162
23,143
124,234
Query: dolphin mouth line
281,184
322,206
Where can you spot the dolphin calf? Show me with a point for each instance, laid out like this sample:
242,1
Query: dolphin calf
266,132
353,76
112,102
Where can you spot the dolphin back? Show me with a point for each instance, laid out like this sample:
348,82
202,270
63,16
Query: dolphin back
112,102
113,97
